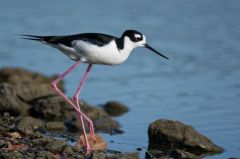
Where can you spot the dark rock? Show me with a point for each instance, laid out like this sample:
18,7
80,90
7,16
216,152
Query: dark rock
79,155
9,100
107,125
56,146
114,108
170,154
182,154
139,148
37,134
49,108
3,144
93,113
118,155
20,75
68,150
42,141
55,126
24,88
98,155
102,121
7,122
31,91
55,108
48,147
11,155
18,90
127,155
28,85
152,154
44,155
174,134
29,155
28,124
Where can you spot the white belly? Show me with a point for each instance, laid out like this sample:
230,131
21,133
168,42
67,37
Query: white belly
107,54
89,53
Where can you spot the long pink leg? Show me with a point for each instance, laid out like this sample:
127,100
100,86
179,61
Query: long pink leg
54,86
76,96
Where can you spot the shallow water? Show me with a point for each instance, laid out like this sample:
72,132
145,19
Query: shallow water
199,85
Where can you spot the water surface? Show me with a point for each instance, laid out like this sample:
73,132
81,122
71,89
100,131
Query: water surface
199,85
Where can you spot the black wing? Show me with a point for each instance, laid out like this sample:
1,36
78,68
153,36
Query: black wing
94,38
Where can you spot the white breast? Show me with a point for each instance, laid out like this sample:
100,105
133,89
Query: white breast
107,54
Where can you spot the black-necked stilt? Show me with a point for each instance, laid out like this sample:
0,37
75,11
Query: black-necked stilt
92,48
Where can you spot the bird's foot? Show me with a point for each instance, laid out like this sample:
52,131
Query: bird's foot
92,132
95,141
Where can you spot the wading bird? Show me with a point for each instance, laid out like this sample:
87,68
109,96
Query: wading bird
92,48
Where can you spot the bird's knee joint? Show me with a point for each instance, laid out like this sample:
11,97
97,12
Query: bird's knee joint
75,99
53,85
90,122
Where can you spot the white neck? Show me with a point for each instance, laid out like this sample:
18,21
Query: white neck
127,47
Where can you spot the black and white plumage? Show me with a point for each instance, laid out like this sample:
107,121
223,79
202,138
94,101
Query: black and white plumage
92,48
96,48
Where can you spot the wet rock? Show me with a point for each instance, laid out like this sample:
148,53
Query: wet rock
114,108
55,126
37,134
28,85
93,113
9,100
127,155
115,155
56,146
78,156
11,155
3,144
48,147
151,154
54,108
42,141
98,155
31,91
102,121
24,88
174,134
44,155
28,124
21,124
107,125
7,122
20,75
31,147
170,154
68,150
183,154
49,108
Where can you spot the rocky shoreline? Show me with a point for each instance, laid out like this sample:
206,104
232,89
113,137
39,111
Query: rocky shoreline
36,123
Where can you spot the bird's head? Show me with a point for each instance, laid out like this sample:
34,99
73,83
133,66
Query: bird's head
136,39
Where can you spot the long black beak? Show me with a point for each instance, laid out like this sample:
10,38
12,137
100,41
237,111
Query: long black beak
155,51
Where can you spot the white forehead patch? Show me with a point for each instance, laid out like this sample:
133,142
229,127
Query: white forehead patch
137,36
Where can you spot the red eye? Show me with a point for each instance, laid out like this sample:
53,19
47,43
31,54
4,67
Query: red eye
139,39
